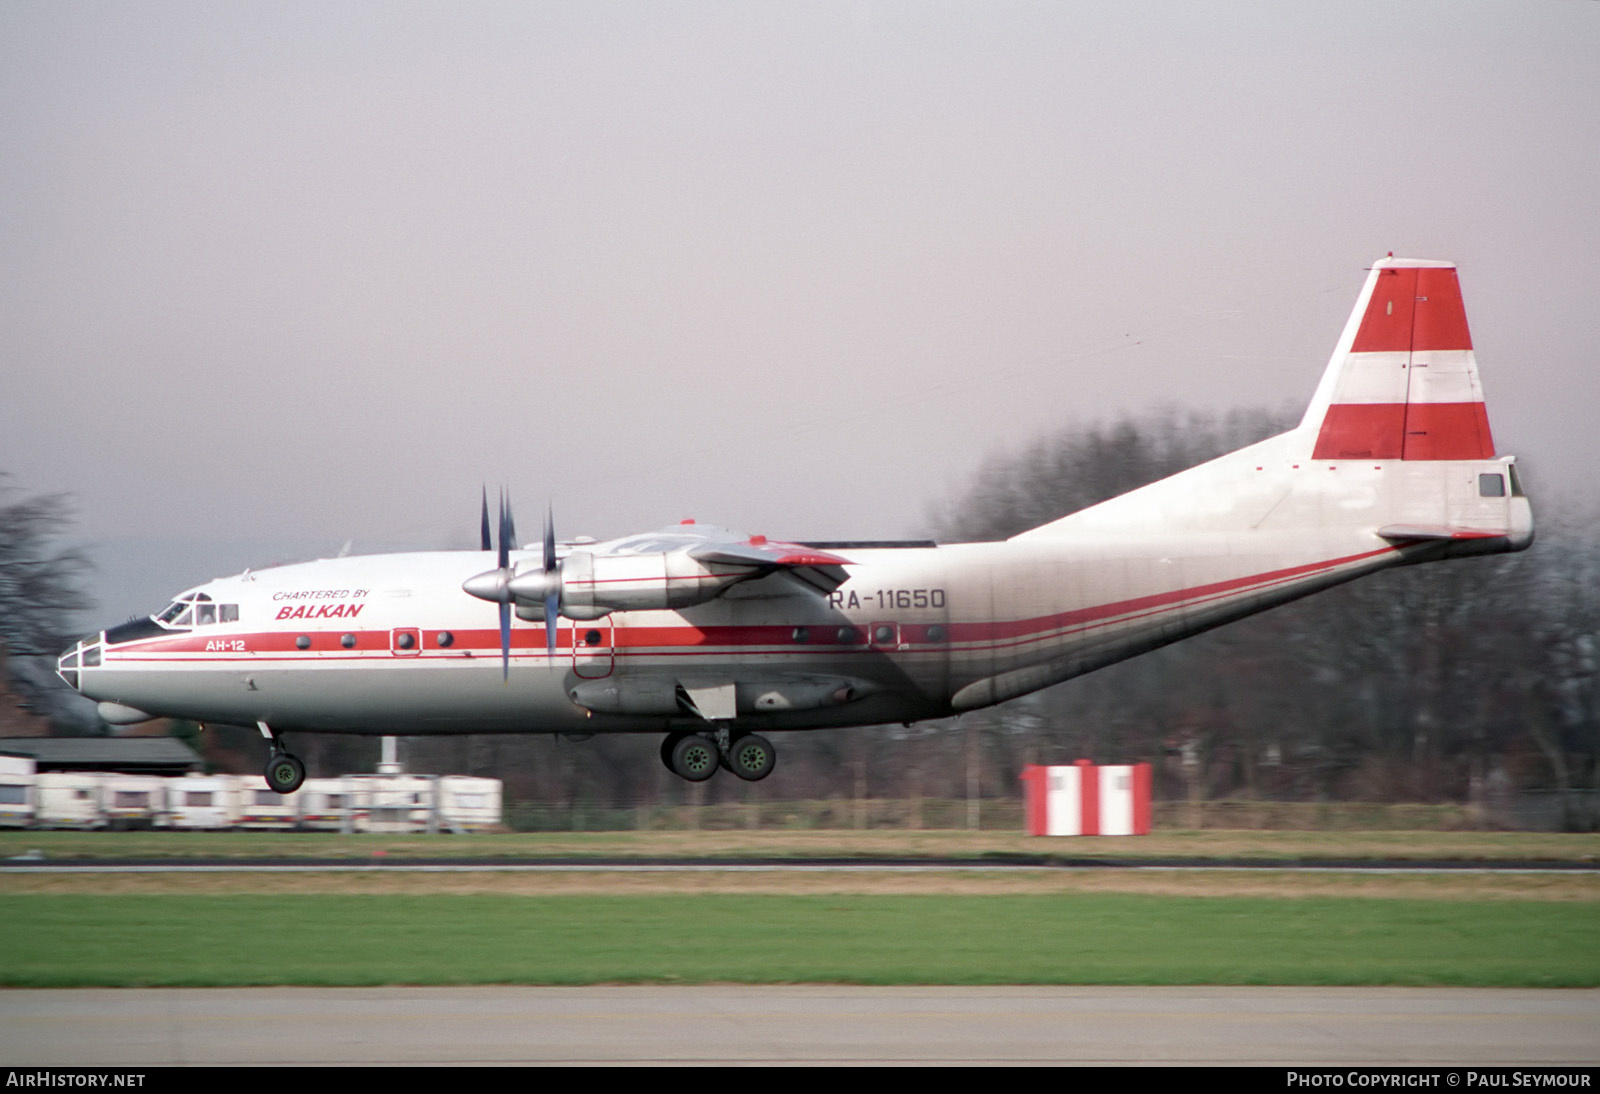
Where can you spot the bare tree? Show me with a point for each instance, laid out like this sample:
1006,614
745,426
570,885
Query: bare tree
41,596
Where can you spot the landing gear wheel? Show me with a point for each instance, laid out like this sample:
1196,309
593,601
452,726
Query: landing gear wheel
668,743
285,773
694,758
752,757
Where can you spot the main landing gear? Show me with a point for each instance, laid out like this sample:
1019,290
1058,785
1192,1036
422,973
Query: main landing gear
696,756
284,771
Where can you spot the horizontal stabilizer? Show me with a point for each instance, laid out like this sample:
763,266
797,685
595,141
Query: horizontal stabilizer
1406,532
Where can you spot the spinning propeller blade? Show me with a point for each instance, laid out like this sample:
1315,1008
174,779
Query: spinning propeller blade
507,532
552,599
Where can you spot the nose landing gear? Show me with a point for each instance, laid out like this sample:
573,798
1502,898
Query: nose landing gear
285,772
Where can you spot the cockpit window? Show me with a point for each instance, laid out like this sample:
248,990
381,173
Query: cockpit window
197,610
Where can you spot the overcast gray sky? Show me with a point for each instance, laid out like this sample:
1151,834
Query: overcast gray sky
277,276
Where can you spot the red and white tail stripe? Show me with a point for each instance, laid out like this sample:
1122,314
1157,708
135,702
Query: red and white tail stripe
1403,382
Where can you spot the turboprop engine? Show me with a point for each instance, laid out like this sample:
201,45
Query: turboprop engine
660,572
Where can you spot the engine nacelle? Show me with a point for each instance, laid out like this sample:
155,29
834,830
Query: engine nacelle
592,586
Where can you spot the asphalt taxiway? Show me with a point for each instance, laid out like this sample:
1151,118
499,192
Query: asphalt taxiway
803,1024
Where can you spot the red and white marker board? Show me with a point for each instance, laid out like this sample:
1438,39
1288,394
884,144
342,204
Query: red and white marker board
1085,799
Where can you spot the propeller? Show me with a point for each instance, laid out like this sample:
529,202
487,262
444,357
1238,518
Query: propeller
543,584
503,586
508,532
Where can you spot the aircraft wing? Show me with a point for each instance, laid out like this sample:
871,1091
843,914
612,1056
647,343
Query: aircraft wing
821,570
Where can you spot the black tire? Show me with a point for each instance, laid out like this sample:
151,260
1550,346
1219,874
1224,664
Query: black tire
285,773
695,758
752,757
668,743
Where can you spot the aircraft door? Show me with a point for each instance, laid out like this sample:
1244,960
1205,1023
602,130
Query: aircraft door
593,652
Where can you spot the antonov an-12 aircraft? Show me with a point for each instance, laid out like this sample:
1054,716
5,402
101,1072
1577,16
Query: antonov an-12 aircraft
714,638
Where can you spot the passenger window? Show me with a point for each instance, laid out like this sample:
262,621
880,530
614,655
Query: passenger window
229,613
1491,486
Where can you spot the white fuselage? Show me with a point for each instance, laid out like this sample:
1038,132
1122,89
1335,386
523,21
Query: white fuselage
390,643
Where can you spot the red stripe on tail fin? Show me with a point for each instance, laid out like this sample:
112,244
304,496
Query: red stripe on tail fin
1362,431
1447,431
1386,327
1407,386
1441,318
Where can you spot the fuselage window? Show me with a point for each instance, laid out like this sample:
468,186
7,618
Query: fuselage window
1491,486
205,615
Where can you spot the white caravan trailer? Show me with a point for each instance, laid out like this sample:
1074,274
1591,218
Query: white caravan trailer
68,799
332,805
16,791
259,807
202,801
133,801
468,803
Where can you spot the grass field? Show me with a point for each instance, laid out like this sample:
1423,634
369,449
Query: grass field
1067,938
935,926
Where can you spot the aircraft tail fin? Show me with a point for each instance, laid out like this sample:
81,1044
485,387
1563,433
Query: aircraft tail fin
1403,382
1395,444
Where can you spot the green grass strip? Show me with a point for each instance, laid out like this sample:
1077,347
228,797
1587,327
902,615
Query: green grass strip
128,940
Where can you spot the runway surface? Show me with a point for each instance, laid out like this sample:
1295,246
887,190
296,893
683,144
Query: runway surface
1444,1027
